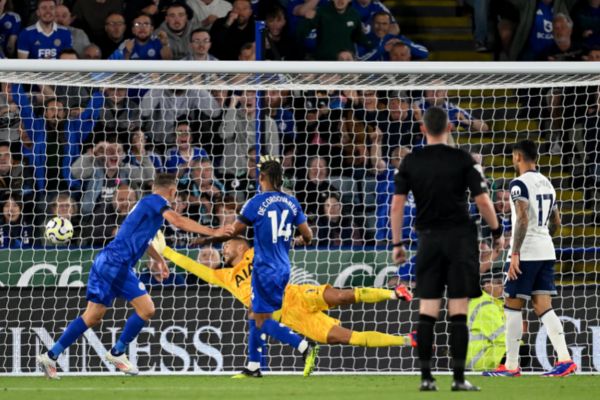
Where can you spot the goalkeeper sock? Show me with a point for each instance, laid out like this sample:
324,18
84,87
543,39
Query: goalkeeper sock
556,334
133,326
459,340
283,334
514,333
254,346
75,329
425,344
372,295
375,339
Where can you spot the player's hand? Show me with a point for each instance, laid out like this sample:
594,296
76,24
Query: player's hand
310,14
298,241
399,255
514,270
159,270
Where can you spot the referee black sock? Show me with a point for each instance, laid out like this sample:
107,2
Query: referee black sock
459,340
425,344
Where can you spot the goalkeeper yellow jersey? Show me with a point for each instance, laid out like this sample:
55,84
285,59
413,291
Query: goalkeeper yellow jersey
236,280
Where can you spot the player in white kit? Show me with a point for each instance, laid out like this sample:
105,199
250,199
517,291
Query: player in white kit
531,260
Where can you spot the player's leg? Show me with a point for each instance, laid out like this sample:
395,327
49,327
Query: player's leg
143,310
514,333
338,297
341,335
461,250
91,317
543,288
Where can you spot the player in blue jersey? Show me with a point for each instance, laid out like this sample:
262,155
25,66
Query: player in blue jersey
45,39
10,26
112,274
272,213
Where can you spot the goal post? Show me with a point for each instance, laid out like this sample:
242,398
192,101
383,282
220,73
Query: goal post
83,140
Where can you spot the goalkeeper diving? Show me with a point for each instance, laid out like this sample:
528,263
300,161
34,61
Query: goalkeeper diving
303,305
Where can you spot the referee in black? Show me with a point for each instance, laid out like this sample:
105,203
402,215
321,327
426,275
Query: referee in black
448,253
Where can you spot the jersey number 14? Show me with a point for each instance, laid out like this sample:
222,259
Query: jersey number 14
280,228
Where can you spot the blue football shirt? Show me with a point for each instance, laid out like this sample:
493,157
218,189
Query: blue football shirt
10,24
145,51
272,215
37,44
138,229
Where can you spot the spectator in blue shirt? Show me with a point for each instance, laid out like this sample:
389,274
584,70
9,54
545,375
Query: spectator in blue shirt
10,26
15,232
144,45
540,37
56,140
296,11
178,158
367,10
45,39
381,35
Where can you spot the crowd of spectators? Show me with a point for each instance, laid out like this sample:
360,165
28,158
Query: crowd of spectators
89,153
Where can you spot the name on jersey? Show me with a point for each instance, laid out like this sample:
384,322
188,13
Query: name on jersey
243,275
276,199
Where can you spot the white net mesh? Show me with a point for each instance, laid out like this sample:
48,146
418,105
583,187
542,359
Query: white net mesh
86,147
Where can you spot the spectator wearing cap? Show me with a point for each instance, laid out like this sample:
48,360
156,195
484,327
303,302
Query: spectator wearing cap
338,28
178,26
230,33
208,11
178,158
144,45
205,190
45,39
138,156
64,18
383,39
199,46
113,34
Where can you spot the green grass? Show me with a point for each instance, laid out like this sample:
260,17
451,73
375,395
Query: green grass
348,387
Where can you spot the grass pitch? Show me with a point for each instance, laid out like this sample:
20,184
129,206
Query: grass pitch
348,387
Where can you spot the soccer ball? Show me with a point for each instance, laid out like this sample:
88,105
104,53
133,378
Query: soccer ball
59,230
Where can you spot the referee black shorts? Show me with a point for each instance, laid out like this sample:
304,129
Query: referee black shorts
448,258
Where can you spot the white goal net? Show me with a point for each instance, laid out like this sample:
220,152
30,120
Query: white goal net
83,142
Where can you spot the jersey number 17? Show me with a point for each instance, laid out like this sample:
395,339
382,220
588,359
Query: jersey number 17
544,200
279,227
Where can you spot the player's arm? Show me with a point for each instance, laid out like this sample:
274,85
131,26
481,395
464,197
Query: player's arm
306,235
201,271
554,222
159,267
189,225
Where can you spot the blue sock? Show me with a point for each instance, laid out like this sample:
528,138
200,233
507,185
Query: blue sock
281,333
254,346
133,326
71,334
